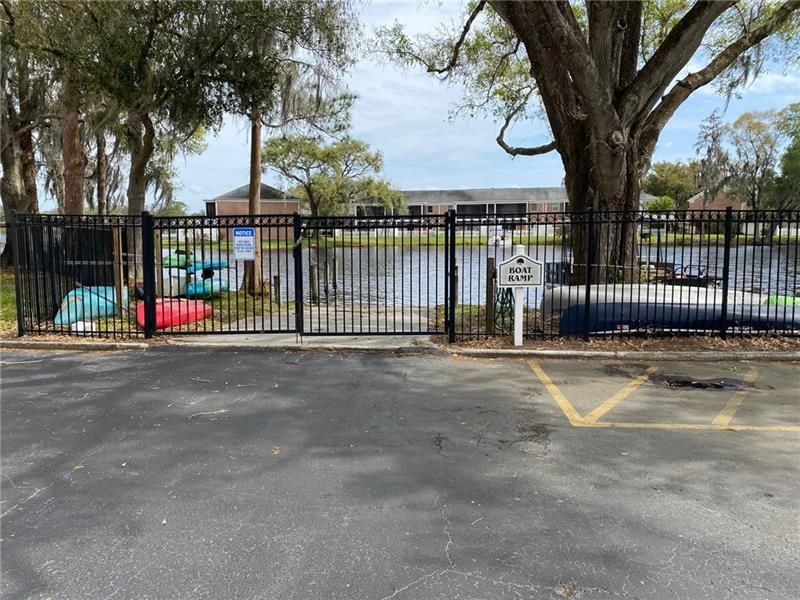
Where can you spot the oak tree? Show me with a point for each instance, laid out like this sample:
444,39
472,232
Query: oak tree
331,178
678,180
606,75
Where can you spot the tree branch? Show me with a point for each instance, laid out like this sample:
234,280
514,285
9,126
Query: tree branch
659,117
460,42
606,37
560,26
520,150
630,43
681,43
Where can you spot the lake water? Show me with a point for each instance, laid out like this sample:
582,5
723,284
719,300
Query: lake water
415,277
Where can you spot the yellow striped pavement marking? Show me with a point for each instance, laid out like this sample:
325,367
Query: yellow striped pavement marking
725,416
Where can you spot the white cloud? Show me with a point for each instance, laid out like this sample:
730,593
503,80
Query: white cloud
775,83
404,114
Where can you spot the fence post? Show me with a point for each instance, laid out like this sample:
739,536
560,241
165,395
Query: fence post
297,255
490,295
17,284
452,275
587,299
446,284
726,269
148,274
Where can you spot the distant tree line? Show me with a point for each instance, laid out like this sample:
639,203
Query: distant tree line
755,160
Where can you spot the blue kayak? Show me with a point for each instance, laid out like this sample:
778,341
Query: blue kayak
209,263
206,287
89,303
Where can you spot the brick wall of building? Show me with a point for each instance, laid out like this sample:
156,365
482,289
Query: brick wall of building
234,208
271,207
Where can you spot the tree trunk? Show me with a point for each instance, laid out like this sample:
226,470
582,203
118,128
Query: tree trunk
11,193
140,132
72,152
606,181
27,157
11,188
101,173
254,279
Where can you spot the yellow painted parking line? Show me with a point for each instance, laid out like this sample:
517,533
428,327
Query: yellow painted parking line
719,424
698,426
565,405
725,416
626,391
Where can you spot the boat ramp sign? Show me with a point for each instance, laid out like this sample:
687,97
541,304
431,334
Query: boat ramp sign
520,271
244,243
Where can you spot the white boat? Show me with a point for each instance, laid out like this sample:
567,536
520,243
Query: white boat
559,298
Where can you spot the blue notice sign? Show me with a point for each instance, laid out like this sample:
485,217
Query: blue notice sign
244,243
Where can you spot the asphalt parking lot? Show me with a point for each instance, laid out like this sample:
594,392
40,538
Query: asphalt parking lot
198,474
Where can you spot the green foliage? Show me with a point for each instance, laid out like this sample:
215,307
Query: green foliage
744,157
161,174
715,162
8,302
755,138
782,47
789,121
661,203
331,178
286,57
175,208
785,190
166,69
658,19
493,69
677,180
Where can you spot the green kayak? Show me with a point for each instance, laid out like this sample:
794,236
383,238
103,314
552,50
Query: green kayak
783,301
177,259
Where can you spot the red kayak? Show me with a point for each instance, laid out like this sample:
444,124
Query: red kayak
172,311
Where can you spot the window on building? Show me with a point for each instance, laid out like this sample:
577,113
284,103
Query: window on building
512,209
471,209
415,210
211,209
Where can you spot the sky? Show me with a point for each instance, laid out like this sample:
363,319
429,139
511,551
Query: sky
404,113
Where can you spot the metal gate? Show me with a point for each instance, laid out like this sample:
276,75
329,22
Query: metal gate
374,275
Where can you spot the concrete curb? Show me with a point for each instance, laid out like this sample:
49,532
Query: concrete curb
709,356
233,347
77,346
432,349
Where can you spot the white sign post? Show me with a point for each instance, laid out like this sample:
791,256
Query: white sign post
519,272
244,243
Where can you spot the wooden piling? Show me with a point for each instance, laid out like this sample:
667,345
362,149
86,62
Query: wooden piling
455,293
276,290
313,275
158,258
116,257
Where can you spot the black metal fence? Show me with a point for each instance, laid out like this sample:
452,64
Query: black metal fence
605,273
66,269
612,273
